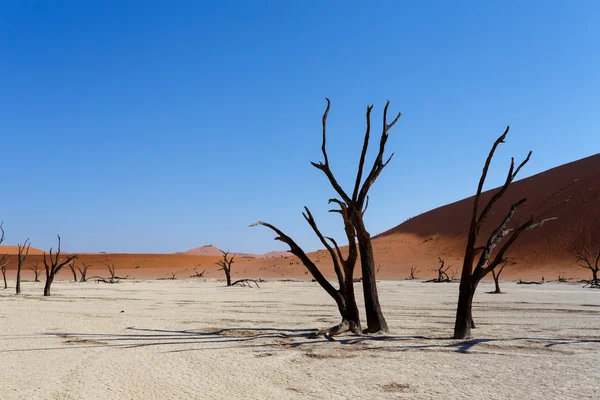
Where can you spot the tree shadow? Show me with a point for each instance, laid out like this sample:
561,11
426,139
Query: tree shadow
275,338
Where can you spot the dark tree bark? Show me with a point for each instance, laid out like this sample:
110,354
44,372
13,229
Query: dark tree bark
36,270
496,276
4,258
470,276
23,251
225,265
53,264
412,273
589,259
73,271
343,267
356,206
83,271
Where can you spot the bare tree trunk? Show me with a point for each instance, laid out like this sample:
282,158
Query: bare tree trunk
49,281
4,277
74,272
228,277
375,319
496,283
464,313
21,257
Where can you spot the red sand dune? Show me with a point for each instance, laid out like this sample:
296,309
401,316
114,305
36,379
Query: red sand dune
569,193
210,250
15,250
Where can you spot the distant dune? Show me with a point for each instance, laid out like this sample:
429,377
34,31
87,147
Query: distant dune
210,250
570,193
15,250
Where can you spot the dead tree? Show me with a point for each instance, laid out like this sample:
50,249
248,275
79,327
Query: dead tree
197,274
496,276
225,265
36,270
356,204
73,271
412,273
343,267
53,264
470,276
4,258
442,275
245,283
23,252
112,275
83,271
590,260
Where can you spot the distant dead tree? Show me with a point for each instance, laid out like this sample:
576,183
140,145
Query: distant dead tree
245,283
23,252
36,270
356,204
112,275
496,276
83,271
225,265
4,258
53,264
412,273
197,274
442,275
344,269
73,270
587,258
442,272
470,276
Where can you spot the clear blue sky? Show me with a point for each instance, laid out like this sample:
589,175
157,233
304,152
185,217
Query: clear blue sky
147,126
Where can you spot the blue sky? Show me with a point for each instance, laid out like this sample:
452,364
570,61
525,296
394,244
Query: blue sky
155,126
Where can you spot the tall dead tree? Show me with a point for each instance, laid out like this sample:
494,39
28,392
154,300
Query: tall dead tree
590,260
73,270
36,270
470,275
23,252
356,205
53,264
343,267
3,258
83,271
225,265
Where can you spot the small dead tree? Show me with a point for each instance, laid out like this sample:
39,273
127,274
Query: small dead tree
73,270
225,265
4,258
36,270
471,276
412,273
496,276
589,259
112,275
442,274
53,264
83,271
343,267
197,274
23,252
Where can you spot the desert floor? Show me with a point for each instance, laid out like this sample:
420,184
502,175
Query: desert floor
192,339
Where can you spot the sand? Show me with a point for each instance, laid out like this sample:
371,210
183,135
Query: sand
194,339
